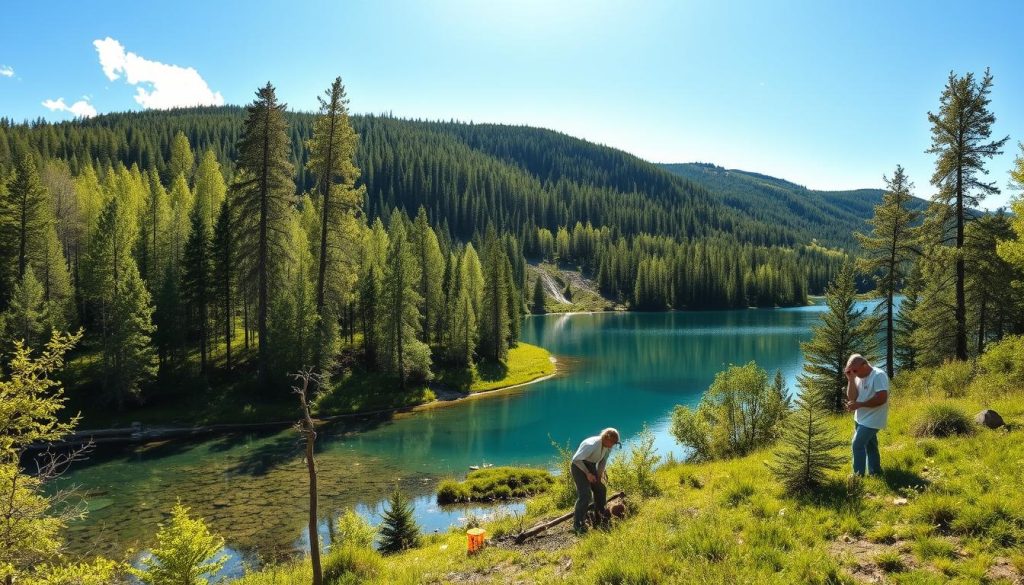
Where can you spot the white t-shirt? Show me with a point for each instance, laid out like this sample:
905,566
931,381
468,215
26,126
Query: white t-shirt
874,417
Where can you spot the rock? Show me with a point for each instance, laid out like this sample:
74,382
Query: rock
617,510
989,418
899,501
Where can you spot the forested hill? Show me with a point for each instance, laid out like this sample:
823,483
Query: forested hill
468,174
832,216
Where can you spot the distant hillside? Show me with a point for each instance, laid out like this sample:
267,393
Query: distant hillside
832,215
467,175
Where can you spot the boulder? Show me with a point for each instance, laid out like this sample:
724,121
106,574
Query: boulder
989,418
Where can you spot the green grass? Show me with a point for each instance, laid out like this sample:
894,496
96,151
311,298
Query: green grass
494,483
732,522
525,363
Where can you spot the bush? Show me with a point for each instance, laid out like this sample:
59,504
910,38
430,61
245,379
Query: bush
1000,368
942,420
633,472
353,530
184,554
350,564
564,490
952,379
740,412
495,483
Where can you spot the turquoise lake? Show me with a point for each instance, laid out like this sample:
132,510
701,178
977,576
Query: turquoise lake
624,370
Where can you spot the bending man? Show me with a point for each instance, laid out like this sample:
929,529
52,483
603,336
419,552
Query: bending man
588,471
867,393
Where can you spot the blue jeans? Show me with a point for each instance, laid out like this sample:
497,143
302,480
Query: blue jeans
586,492
865,450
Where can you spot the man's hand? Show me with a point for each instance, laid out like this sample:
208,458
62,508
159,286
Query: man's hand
591,477
852,406
849,374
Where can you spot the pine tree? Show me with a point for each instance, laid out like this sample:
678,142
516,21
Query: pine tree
265,189
371,290
129,360
403,353
27,316
494,322
155,233
210,188
185,552
538,296
332,151
398,529
196,283
293,319
888,250
182,201
934,335
472,275
24,218
223,275
808,444
961,134
182,159
428,256
1012,250
842,331
462,334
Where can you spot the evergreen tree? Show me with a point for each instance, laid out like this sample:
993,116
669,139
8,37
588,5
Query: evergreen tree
210,188
472,274
934,335
197,283
961,133
371,290
993,303
807,453
538,296
223,275
842,331
1012,250
398,529
264,189
182,202
24,219
155,233
129,360
332,151
403,353
462,334
182,160
888,251
293,319
428,255
27,316
494,322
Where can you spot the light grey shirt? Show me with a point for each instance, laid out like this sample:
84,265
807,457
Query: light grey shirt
592,451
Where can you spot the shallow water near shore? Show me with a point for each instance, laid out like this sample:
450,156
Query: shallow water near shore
616,369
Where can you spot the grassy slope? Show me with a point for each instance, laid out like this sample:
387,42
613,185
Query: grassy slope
729,522
585,296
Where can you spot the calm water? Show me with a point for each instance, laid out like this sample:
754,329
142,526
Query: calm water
617,369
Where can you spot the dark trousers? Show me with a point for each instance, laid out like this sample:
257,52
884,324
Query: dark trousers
586,493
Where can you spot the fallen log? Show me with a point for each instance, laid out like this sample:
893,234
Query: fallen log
522,536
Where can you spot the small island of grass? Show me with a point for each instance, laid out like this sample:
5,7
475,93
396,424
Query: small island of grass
495,483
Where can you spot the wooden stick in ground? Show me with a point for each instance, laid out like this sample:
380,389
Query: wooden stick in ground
542,527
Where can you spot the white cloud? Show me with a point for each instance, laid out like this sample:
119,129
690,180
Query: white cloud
163,86
81,108
6,71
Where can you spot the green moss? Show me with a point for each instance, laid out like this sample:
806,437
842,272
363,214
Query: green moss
495,483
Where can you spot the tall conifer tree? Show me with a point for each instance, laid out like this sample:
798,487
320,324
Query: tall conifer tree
961,137
264,191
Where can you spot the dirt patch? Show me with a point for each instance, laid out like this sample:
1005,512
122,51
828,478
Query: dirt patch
860,555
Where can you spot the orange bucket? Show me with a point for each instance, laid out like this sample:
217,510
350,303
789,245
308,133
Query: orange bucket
475,540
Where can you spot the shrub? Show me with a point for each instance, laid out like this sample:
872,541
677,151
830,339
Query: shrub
890,561
738,492
353,530
942,420
398,530
351,563
633,472
495,483
936,510
740,412
184,553
564,490
952,379
932,548
1000,368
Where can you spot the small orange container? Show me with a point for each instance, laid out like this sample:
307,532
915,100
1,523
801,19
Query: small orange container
475,540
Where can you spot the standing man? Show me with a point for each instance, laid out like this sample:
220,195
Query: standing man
588,471
867,394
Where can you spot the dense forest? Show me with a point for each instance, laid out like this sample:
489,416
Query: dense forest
267,240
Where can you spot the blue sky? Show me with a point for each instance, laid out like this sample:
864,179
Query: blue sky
827,94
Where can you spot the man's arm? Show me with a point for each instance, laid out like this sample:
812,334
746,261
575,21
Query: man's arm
877,400
851,386
577,460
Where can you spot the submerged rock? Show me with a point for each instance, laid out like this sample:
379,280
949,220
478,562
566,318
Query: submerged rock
989,418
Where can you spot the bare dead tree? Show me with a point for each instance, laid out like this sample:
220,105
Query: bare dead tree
304,379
